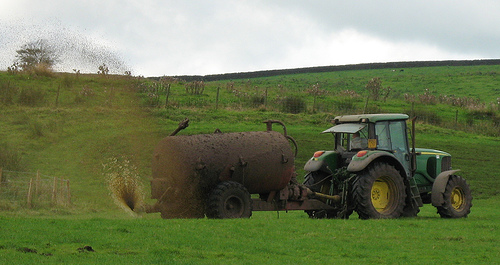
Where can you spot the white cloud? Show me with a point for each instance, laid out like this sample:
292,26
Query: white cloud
210,37
351,47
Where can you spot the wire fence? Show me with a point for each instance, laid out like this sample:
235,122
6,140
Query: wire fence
32,190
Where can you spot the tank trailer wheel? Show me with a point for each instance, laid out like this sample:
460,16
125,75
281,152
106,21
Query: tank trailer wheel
379,192
229,199
457,198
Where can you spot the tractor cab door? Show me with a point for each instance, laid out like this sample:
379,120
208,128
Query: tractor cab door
392,137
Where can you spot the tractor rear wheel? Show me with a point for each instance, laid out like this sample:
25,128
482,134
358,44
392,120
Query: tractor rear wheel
318,181
229,199
457,198
379,192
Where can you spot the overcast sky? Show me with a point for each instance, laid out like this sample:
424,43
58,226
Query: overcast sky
164,37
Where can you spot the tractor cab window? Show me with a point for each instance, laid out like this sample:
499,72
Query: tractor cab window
399,136
391,136
359,139
354,141
383,137
350,136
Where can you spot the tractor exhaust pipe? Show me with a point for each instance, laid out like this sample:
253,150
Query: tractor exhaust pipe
413,153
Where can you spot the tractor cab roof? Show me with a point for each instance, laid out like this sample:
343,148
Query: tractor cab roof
345,128
364,118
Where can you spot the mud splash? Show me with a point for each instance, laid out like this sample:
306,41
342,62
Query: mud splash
125,186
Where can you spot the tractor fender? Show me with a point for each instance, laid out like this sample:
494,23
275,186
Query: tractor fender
439,186
357,165
316,165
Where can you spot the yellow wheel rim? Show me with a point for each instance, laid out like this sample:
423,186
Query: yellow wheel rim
382,194
457,198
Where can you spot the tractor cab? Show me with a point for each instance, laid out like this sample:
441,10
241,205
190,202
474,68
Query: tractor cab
358,137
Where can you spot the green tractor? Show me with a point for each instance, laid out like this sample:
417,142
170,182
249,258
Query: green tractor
377,175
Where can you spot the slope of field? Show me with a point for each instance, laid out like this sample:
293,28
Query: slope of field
76,126
70,125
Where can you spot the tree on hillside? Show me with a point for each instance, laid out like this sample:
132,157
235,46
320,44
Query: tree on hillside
374,87
35,54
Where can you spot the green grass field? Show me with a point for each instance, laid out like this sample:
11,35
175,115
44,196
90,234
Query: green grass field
70,126
267,237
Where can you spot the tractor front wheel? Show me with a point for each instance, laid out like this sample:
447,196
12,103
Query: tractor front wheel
229,199
379,192
457,198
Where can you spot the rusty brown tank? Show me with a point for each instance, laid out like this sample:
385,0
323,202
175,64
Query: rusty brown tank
186,168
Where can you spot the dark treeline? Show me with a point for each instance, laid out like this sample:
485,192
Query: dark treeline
321,69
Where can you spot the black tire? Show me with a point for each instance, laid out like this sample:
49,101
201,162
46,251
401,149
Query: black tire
411,210
317,181
457,198
379,192
229,199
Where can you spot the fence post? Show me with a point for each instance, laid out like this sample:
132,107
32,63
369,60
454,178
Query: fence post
54,190
167,95
62,194
2,181
314,103
37,183
265,99
30,195
68,192
217,99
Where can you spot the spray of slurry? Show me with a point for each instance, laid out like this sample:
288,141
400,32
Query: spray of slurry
76,49
125,185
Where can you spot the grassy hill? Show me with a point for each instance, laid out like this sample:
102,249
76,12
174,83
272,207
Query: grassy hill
69,125
78,127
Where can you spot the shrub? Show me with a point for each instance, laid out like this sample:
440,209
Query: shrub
195,88
425,115
294,105
152,92
345,105
374,87
427,98
67,81
37,129
42,69
10,158
84,94
31,97
482,114
103,70
7,93
15,68
256,100
152,100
